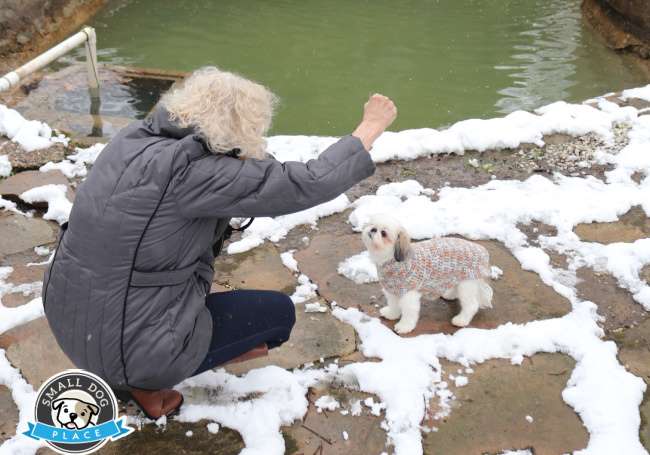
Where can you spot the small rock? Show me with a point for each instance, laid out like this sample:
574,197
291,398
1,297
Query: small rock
24,38
22,160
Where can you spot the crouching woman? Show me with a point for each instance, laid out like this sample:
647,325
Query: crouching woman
128,292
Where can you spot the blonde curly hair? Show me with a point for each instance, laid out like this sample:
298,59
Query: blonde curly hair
228,110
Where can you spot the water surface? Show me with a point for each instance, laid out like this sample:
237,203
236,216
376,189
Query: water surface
440,60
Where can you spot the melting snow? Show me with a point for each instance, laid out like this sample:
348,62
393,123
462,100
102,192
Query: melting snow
642,93
288,261
406,375
279,399
277,228
22,393
29,134
328,403
5,166
68,168
305,290
359,268
58,205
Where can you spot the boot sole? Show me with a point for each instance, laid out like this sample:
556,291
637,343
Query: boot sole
126,396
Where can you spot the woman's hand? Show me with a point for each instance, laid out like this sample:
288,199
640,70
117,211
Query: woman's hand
378,113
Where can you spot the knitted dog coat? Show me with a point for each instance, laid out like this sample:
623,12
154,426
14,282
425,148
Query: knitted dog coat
435,266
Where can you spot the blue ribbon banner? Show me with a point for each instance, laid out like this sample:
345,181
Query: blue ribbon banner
113,429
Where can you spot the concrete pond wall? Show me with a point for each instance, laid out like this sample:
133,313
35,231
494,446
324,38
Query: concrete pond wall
31,25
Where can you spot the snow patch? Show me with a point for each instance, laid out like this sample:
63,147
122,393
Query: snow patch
22,393
289,261
495,272
278,399
58,205
87,155
68,168
642,93
275,229
511,131
315,307
327,402
359,268
5,166
29,134
305,290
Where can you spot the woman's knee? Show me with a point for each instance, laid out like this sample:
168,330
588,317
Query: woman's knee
284,308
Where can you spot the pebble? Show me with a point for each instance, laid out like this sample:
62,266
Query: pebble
574,155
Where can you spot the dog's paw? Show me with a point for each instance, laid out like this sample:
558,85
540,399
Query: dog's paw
460,321
403,327
390,313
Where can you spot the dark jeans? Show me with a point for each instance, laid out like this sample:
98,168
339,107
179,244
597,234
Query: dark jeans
242,320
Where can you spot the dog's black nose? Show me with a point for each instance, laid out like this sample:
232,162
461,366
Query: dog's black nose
73,416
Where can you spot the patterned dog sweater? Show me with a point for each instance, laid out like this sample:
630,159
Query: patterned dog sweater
435,266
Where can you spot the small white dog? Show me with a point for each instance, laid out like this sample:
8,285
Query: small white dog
445,267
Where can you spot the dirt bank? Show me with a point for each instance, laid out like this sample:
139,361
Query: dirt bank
624,24
30,26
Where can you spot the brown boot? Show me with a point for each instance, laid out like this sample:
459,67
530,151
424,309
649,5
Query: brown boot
154,403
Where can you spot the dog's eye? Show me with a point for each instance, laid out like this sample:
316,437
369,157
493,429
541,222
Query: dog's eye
65,409
373,230
83,413
383,233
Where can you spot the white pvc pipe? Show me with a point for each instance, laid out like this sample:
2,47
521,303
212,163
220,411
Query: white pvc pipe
87,35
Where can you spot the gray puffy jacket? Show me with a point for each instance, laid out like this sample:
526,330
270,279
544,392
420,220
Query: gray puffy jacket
125,294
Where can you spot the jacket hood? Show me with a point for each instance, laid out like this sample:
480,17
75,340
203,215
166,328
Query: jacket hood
159,124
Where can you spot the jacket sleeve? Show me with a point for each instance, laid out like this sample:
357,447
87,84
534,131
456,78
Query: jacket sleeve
222,186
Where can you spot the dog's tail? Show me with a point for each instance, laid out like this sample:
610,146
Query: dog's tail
485,295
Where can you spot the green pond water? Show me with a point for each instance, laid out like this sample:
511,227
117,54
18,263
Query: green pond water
440,60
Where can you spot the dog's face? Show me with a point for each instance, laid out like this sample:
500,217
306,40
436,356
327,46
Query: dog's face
74,414
385,239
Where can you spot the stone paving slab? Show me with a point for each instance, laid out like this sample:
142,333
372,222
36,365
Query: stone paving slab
23,274
325,429
315,336
634,354
8,413
20,233
33,349
489,415
21,160
519,296
260,268
632,226
615,304
320,260
13,186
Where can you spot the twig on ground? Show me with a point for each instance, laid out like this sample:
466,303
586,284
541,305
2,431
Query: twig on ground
316,433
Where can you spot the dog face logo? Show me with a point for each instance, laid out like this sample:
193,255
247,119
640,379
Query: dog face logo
76,412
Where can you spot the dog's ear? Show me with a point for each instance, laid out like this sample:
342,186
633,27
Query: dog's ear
402,245
93,408
56,404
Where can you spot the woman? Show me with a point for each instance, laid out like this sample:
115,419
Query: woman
127,294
